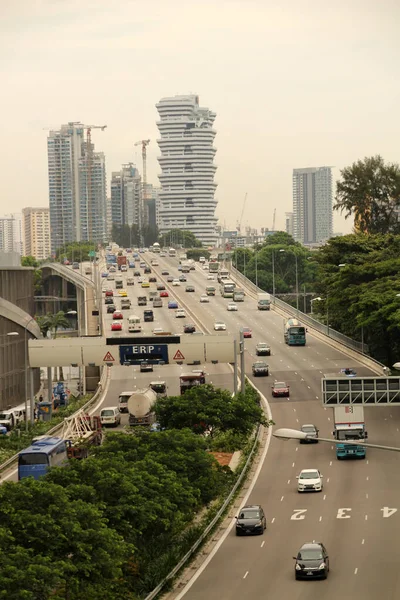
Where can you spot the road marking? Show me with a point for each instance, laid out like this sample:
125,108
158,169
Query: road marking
296,374
245,575
309,387
327,481
366,517
324,497
366,495
297,421
367,462
282,498
320,519
362,541
293,464
342,513
294,410
388,512
367,478
298,514
273,519
288,481
262,544
317,397
297,448
330,464
356,571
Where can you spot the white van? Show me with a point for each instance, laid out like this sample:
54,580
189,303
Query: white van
134,324
123,401
202,259
110,416
157,303
11,418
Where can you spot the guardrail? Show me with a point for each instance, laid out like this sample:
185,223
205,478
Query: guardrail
9,463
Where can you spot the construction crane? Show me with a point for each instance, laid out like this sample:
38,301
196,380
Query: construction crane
143,204
273,220
239,223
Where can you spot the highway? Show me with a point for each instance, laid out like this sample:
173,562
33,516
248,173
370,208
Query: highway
348,516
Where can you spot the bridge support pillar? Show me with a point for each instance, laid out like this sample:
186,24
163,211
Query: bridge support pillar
81,308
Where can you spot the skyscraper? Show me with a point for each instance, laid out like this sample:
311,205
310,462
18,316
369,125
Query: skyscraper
77,187
36,232
125,195
11,234
312,205
187,167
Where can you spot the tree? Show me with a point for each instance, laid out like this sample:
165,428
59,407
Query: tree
53,323
75,251
195,253
280,238
370,190
179,237
29,261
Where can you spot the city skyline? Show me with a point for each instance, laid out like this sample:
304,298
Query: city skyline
274,112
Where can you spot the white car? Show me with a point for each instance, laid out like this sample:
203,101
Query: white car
232,306
176,282
204,298
124,268
180,313
110,278
140,279
205,267
210,277
219,326
309,480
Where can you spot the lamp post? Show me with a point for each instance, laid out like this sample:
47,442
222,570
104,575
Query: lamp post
294,434
26,379
256,269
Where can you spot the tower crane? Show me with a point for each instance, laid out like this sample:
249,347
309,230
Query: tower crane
239,223
143,205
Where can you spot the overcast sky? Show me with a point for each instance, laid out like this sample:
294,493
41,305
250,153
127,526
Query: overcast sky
294,83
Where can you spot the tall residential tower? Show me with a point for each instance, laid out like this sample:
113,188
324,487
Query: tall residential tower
187,167
312,205
36,232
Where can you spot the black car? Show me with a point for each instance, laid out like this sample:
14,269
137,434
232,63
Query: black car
152,279
189,288
170,279
145,367
312,433
160,287
263,349
164,272
109,300
111,308
312,561
182,278
137,273
148,315
147,270
260,368
189,328
251,520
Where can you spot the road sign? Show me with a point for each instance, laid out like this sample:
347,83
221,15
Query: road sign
109,357
136,354
178,355
92,253
364,391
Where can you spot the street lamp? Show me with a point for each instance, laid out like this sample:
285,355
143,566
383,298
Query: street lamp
311,302
273,272
286,434
26,379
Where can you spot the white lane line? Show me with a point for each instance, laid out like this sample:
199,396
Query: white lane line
366,517
294,410
367,478
245,575
309,387
320,519
367,462
362,541
288,481
262,544
293,464
324,497
297,420
329,418
330,464
317,397
327,481
273,519
297,448
356,571
282,498
366,495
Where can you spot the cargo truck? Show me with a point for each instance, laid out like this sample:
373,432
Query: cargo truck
121,260
140,407
238,295
349,425
263,301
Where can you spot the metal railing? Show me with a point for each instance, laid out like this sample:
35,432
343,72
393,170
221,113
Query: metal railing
303,317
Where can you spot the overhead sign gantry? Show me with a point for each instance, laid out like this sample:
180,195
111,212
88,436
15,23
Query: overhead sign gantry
366,391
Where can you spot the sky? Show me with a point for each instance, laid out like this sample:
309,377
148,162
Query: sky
294,84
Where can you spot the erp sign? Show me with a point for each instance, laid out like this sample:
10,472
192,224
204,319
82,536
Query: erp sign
134,355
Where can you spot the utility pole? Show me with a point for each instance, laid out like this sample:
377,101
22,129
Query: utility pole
242,373
143,200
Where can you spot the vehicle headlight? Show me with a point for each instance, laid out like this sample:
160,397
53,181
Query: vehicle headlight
298,567
259,523
322,566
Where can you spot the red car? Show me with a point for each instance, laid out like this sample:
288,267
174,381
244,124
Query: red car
280,388
116,326
164,294
109,293
247,333
117,315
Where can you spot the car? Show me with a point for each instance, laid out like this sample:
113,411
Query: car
190,288
109,300
165,273
111,308
131,264
312,434
163,254
130,281
170,279
152,279
204,298
145,284
172,304
210,277
112,270
189,328
260,368
142,265
147,270
312,561
123,293
182,278
232,306
109,293
180,314
104,274
75,266
348,372
161,331
251,520
146,367
280,388
247,333
176,282
154,263
118,315
219,326
164,294
137,274
179,267
160,286
110,277
263,349
124,268
116,326
309,480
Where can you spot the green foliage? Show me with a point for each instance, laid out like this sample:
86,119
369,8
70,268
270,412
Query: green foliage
370,190
227,441
195,253
179,238
131,236
75,251
280,238
29,261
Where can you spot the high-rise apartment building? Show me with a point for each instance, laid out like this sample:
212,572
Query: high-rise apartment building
77,187
289,223
36,232
187,167
125,195
312,205
10,234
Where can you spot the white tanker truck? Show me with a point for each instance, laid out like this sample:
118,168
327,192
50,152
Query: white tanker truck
140,407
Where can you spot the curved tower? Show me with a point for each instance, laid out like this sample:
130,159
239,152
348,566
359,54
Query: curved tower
187,167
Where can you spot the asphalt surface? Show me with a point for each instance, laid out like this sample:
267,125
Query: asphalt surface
362,546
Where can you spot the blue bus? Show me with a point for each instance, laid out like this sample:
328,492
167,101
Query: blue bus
294,333
45,452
